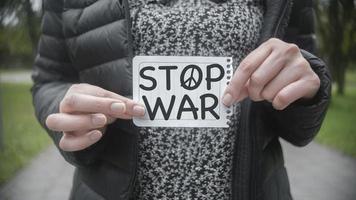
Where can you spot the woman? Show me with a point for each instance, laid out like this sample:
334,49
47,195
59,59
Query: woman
82,92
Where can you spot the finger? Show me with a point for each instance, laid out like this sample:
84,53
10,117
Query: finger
243,73
68,122
244,92
132,108
294,91
93,90
112,119
75,103
264,74
82,103
243,95
286,76
76,142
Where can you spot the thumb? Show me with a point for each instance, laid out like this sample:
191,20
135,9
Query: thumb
110,119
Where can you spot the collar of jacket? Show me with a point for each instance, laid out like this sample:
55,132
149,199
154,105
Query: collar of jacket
276,18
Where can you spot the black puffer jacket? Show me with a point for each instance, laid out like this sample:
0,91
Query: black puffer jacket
89,41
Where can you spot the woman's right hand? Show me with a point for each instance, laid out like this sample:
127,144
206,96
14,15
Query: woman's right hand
84,113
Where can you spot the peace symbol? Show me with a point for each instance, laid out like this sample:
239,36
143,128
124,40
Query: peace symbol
191,77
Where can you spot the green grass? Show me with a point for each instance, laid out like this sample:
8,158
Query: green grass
339,127
23,136
351,77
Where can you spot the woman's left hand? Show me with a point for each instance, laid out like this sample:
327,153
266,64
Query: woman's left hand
277,72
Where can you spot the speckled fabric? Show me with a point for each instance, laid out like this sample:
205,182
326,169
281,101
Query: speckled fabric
191,163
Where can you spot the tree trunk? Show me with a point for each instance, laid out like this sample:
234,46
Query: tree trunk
31,24
1,125
338,59
341,80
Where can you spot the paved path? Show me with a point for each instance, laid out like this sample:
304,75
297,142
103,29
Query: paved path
316,173
16,77
48,177
319,173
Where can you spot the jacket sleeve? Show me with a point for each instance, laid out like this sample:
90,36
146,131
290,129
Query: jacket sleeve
52,75
300,122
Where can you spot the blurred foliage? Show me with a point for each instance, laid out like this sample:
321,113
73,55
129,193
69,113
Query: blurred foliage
24,138
15,47
337,36
19,33
339,130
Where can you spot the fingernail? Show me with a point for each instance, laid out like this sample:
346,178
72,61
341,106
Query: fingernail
95,136
98,120
118,107
138,110
227,100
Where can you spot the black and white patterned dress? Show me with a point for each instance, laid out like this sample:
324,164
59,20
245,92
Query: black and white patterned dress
191,163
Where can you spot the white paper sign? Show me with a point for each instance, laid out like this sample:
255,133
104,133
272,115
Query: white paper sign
181,91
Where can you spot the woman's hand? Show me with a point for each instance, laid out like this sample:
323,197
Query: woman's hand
277,72
84,113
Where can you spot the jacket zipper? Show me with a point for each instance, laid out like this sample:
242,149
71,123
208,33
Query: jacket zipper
282,18
254,157
242,156
131,54
251,131
134,176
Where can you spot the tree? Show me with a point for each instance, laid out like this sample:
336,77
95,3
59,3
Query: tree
22,9
336,29
1,126
31,24
8,8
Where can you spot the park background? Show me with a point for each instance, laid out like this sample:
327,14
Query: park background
22,139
